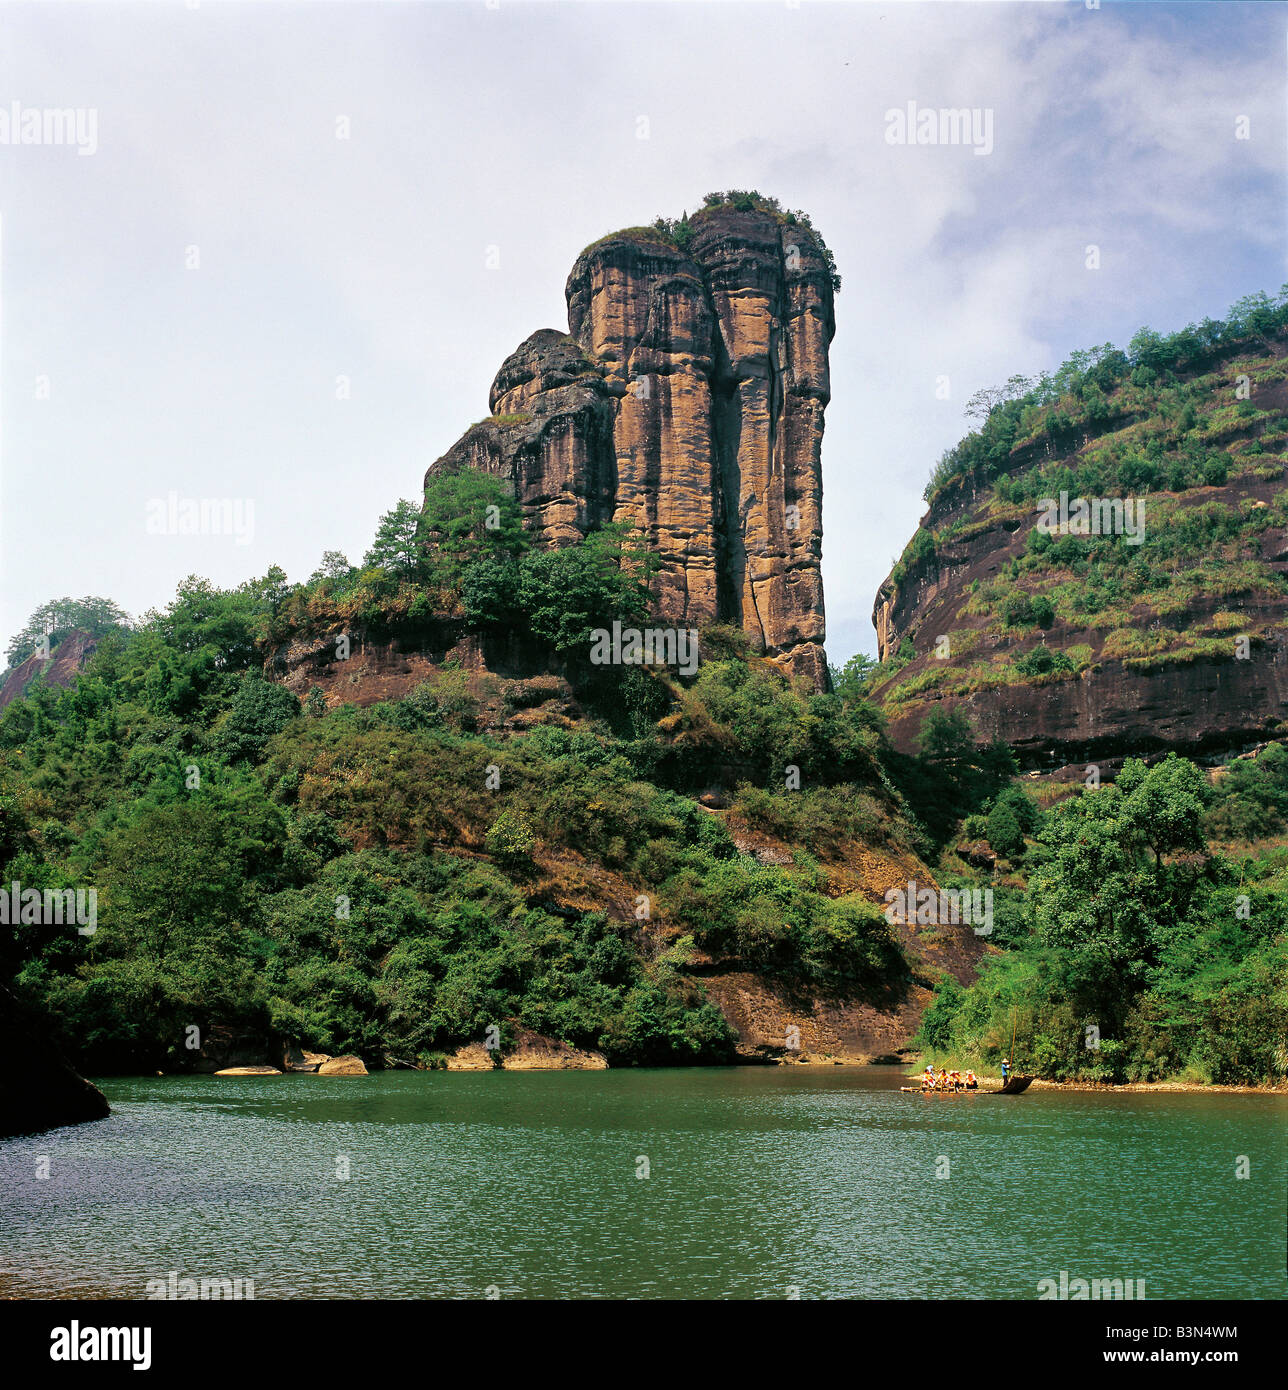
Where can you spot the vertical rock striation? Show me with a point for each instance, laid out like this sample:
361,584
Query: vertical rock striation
686,398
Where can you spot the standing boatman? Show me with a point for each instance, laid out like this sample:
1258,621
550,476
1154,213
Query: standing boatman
1006,1070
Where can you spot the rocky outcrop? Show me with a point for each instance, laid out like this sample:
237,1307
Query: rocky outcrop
687,398
499,669
536,1052
38,1090
1196,667
775,1026
529,1052
225,1048
343,1066
60,668
298,1059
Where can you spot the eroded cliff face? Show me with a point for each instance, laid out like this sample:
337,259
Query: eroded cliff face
1193,659
687,398
60,669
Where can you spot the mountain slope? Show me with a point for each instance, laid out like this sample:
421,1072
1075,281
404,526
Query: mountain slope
1073,646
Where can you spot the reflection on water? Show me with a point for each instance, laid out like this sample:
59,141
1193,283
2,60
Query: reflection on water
760,1181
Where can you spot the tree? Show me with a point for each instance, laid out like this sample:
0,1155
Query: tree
1166,804
850,682
228,621
334,568
473,530
172,880
570,592
1107,897
946,737
61,616
988,398
1004,833
468,517
259,710
1251,800
937,1021
510,838
1091,902
397,547
490,591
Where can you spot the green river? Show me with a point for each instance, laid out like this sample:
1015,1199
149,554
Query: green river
715,1183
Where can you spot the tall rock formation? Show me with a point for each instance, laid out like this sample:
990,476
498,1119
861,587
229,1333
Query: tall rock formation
686,398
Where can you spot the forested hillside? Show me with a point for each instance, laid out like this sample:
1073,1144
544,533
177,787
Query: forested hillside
1143,613
395,877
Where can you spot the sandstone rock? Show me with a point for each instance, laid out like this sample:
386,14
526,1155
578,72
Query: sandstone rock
249,1071
65,663
760,847
1201,703
224,1047
980,854
529,1052
472,1057
343,1066
535,1052
296,1059
687,398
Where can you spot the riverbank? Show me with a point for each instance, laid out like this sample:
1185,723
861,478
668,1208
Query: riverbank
1133,1087
1194,1087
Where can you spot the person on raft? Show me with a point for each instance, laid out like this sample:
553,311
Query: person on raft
948,1080
1006,1070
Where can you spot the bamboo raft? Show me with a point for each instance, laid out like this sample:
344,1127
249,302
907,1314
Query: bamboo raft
1015,1086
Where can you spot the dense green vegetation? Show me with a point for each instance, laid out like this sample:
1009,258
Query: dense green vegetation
397,879
393,880
1162,425
1134,950
1101,384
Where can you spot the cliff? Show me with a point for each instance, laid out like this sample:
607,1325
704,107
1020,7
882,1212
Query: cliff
687,398
64,664
1075,647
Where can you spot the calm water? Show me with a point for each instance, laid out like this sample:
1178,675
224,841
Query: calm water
760,1180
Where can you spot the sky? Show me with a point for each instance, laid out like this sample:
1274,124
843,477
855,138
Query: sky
289,244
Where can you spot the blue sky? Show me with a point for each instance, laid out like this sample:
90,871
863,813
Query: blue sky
516,127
